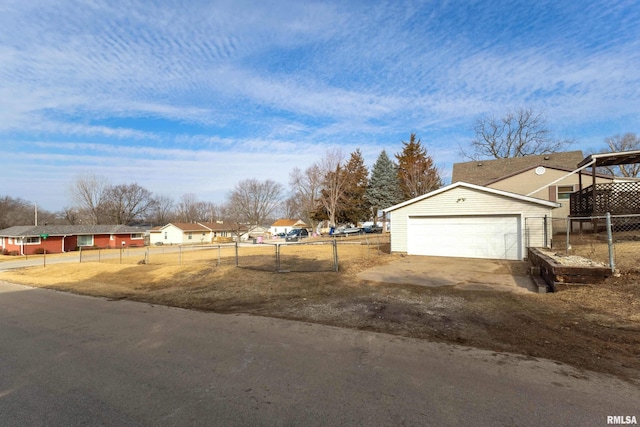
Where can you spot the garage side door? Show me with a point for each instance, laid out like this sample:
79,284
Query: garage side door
495,237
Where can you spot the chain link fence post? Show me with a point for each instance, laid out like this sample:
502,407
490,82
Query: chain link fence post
568,243
610,242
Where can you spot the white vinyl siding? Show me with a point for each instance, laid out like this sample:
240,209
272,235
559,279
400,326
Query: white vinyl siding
463,201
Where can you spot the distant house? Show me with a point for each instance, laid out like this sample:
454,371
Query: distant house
29,239
286,225
221,232
180,233
258,231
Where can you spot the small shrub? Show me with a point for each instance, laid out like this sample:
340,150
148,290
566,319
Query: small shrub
38,251
13,253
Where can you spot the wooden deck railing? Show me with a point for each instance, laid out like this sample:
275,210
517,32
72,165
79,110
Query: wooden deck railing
618,198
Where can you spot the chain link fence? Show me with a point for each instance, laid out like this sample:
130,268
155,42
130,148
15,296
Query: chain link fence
313,255
223,254
613,240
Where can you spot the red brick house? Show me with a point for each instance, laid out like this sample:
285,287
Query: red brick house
29,239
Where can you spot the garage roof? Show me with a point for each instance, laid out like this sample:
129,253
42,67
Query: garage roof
475,187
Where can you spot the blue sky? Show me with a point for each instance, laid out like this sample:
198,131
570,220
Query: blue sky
195,96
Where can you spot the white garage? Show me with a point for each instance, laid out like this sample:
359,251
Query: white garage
466,220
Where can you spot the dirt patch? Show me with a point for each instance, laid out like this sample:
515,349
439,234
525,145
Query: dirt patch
589,327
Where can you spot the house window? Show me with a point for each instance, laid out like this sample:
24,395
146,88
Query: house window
564,192
85,240
137,236
190,236
32,240
165,235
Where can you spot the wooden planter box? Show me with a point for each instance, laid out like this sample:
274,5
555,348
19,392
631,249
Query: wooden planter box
554,274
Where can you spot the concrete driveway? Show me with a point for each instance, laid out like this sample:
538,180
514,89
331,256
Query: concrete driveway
462,273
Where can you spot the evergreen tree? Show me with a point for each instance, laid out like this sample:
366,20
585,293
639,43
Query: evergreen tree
354,207
416,171
384,188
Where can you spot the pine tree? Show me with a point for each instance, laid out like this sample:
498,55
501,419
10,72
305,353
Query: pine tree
354,207
416,171
384,188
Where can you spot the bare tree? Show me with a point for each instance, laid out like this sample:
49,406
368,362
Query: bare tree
125,203
230,215
306,187
88,192
162,211
516,134
627,142
71,215
334,182
208,212
292,207
253,201
16,211
187,208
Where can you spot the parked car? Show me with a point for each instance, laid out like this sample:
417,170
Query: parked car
296,235
373,229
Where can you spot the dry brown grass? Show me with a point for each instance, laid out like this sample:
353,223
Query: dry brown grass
172,278
591,327
595,247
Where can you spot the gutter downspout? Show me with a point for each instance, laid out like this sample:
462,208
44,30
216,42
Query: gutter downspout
63,243
561,178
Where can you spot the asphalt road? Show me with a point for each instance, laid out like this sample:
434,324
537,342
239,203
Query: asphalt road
79,361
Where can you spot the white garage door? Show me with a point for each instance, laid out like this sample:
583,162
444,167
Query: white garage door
496,237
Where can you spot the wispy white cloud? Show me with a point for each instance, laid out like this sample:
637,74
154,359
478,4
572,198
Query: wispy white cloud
221,91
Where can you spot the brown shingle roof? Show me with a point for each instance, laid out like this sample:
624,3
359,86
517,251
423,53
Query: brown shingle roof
482,172
283,222
188,226
214,226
